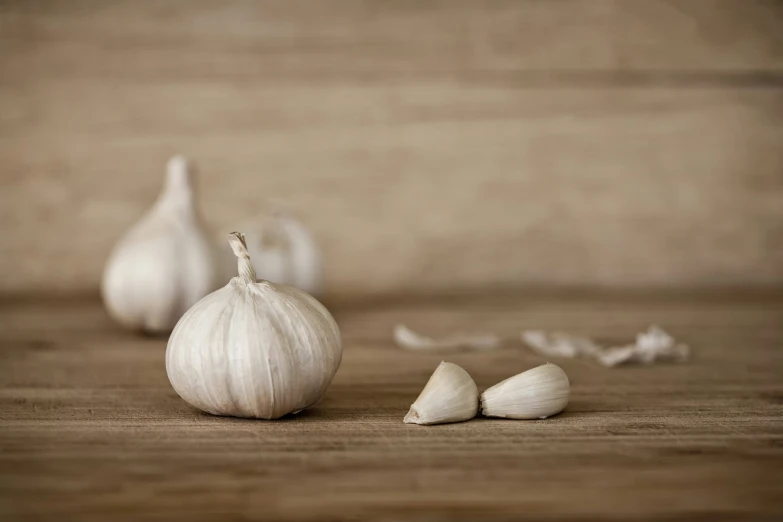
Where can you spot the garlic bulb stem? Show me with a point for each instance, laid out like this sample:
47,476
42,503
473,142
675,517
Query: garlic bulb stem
246,272
178,188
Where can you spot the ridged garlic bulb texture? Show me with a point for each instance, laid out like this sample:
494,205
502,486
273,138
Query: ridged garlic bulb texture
165,263
284,251
449,396
535,394
253,348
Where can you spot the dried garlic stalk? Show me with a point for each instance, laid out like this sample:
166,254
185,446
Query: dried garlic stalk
410,340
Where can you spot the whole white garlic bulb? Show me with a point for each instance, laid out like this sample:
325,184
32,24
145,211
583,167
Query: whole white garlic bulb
283,251
165,263
253,348
535,394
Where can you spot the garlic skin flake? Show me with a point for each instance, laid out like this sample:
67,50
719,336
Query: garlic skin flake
558,344
652,345
407,339
164,264
535,394
449,396
253,348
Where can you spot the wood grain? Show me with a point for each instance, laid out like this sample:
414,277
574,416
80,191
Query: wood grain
431,146
346,39
91,430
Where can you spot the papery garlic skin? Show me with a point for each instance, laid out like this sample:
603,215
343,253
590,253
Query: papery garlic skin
407,339
535,394
253,348
449,396
164,264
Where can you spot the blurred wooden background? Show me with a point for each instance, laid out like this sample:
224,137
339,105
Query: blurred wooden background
431,145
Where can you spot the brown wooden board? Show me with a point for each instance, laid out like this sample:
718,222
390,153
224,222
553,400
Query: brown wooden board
430,145
91,430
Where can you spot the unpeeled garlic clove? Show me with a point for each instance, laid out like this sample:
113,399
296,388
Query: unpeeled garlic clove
449,396
535,394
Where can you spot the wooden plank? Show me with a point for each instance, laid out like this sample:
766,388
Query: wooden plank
410,187
357,39
91,430
432,146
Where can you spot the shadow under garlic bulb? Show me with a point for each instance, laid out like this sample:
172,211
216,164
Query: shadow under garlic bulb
253,348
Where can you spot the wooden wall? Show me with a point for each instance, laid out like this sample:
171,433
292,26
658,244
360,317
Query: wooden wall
431,145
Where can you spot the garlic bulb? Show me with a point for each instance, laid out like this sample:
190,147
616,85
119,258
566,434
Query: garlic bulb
253,348
283,251
449,396
535,394
164,264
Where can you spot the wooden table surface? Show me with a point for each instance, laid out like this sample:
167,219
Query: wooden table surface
91,430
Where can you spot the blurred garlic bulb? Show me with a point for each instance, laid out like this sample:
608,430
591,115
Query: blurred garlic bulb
164,264
284,251
449,396
253,348
535,394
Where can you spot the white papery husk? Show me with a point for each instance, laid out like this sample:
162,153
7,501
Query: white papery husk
410,340
650,346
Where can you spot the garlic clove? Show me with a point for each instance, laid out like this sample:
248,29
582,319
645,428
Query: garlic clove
165,263
253,348
449,396
535,394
